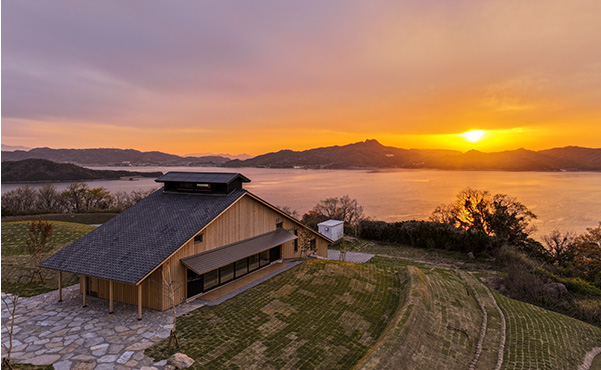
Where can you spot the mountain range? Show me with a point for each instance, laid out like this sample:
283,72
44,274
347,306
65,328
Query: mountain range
112,157
365,154
372,154
42,170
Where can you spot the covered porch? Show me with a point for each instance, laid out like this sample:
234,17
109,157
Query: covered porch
213,269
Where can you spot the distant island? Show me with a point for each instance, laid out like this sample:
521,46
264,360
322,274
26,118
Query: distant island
42,170
365,154
112,157
372,154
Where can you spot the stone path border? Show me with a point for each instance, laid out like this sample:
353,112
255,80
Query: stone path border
589,358
503,326
483,326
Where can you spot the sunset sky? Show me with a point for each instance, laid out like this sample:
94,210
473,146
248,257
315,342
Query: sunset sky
258,76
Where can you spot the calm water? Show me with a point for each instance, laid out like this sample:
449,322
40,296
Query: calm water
561,200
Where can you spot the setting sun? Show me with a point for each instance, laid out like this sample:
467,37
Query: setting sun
473,135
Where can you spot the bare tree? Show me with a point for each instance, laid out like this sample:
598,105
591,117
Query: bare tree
500,216
289,211
343,209
74,196
20,200
560,246
49,199
38,243
10,302
307,242
170,287
97,198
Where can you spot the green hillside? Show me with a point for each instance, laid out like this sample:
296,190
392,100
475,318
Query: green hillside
386,314
390,313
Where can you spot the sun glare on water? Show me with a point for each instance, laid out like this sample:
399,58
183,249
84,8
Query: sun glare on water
473,135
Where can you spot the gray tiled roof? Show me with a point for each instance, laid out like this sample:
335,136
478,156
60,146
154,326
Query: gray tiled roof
133,243
202,177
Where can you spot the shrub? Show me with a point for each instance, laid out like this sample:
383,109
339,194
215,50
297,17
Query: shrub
426,234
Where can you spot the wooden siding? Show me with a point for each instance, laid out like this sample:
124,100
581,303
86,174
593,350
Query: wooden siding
152,291
244,219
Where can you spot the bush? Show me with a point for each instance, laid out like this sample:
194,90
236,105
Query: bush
508,257
575,285
426,234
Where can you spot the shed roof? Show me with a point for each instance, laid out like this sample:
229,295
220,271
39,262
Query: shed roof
132,244
202,177
330,223
210,260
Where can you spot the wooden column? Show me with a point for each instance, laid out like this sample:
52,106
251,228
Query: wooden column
85,289
60,286
140,301
110,296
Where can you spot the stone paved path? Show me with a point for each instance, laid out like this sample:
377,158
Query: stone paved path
74,337
358,257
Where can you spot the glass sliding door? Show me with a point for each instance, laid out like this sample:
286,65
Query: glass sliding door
253,262
211,280
195,285
264,258
226,273
241,267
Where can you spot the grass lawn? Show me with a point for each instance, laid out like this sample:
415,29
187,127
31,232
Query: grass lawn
432,256
596,363
17,265
318,315
436,329
542,339
95,218
15,234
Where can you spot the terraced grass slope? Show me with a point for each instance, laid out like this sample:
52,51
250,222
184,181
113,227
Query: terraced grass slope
438,327
499,333
17,265
542,339
318,315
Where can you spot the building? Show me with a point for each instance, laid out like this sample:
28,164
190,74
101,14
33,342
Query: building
331,229
196,233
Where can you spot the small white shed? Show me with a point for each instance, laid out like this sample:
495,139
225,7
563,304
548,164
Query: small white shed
332,229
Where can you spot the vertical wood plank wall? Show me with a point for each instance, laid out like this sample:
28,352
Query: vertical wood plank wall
245,219
152,291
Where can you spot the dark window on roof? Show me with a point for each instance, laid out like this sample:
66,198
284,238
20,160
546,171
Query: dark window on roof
203,187
198,239
279,225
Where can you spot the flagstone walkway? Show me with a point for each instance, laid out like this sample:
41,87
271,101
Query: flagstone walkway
74,337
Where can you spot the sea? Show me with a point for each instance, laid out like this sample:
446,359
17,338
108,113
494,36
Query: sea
566,201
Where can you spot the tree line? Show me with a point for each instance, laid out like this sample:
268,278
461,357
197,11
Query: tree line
76,198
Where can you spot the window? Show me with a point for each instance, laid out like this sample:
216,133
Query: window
211,279
241,267
198,239
264,258
313,245
253,262
279,225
